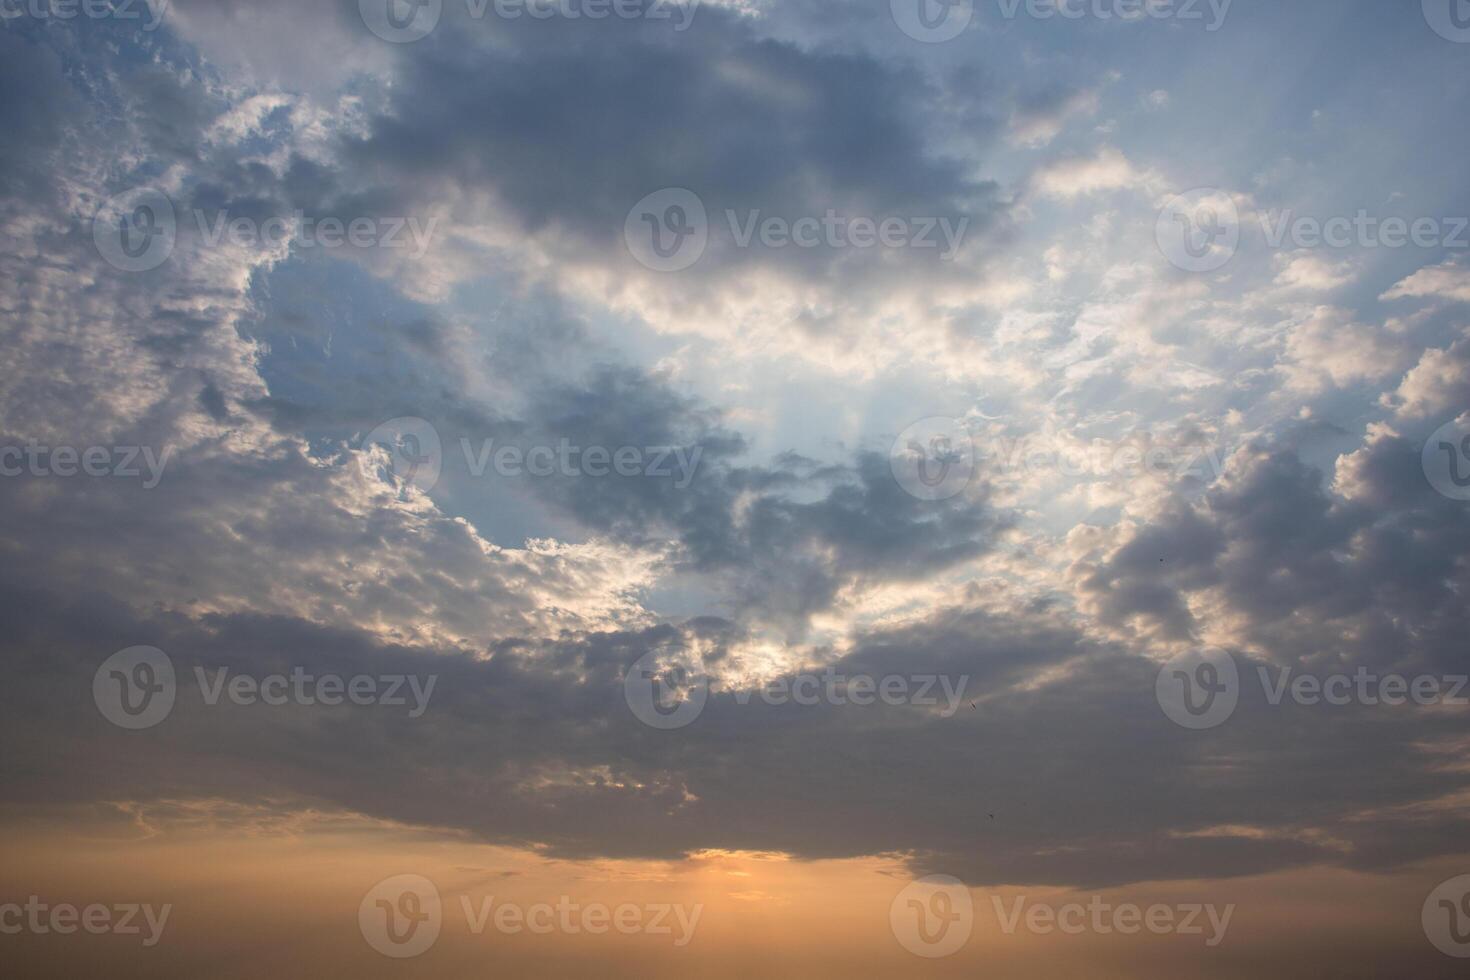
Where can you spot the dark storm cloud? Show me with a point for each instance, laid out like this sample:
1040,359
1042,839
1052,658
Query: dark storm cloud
770,521
533,743
569,124
574,125
570,127
1377,576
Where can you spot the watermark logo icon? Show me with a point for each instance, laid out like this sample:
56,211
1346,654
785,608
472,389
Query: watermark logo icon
1199,230
136,231
401,916
933,917
401,21
932,21
933,459
1446,459
662,695
1200,689
668,230
1446,917
415,452
1449,18
135,688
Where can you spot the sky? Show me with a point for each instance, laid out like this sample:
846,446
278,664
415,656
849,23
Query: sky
648,488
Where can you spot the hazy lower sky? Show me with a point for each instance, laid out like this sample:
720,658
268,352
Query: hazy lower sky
808,488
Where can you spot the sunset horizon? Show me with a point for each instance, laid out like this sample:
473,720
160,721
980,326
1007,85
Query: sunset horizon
672,488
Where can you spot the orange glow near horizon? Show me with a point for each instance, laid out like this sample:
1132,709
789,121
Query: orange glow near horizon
285,892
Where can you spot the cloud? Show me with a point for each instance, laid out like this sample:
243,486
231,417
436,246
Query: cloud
1448,281
1326,348
1439,384
1106,170
1273,560
543,731
1038,119
276,539
1311,272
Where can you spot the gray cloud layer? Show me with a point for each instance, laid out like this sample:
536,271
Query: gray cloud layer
268,546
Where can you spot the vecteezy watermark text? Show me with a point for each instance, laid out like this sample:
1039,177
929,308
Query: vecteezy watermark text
570,460
1446,917
138,230
1201,689
412,452
64,919
407,21
833,230
34,459
90,9
1201,230
667,695
1104,918
934,917
1362,230
401,917
1211,12
573,918
1364,687
830,687
1446,459
669,231
1450,19
680,12
136,688
308,231
300,687
936,21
